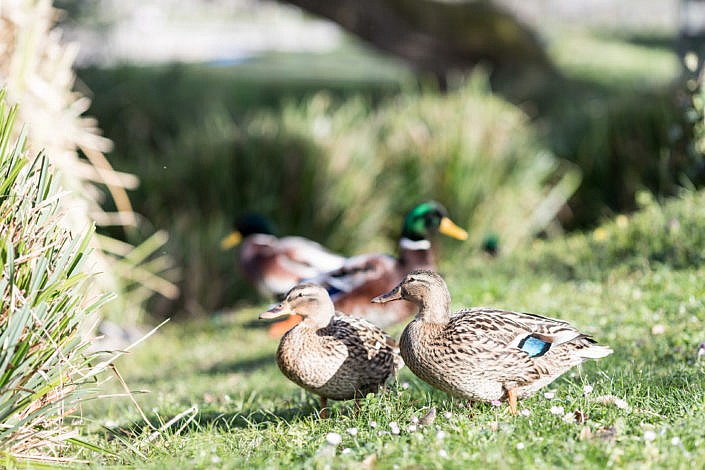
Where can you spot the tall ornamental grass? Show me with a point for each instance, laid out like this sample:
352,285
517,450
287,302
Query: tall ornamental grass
36,70
46,297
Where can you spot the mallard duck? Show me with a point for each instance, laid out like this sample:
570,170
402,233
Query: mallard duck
361,277
331,354
484,354
274,265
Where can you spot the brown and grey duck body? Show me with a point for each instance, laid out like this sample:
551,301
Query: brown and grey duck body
331,354
484,354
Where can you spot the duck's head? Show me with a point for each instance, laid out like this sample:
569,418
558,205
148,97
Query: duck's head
425,288
307,300
427,218
248,224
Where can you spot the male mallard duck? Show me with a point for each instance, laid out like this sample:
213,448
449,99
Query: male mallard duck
362,277
274,265
484,354
331,354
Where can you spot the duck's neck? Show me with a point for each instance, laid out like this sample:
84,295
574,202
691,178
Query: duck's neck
435,307
319,316
416,254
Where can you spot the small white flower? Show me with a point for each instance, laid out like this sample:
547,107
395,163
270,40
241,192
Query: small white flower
621,404
649,435
549,395
496,403
227,398
347,450
587,389
675,440
352,431
525,412
405,385
110,423
569,418
215,459
443,454
394,427
373,424
447,414
520,445
440,435
411,428
557,410
333,438
414,420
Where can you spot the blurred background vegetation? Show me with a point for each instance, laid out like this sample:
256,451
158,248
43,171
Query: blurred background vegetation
336,141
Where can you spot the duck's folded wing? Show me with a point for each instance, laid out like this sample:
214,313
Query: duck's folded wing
310,257
356,271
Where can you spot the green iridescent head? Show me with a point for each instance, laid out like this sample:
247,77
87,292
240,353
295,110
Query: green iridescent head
248,224
427,218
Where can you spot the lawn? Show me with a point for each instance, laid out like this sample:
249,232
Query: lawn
641,406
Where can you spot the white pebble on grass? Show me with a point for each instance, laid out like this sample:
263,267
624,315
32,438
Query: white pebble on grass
621,404
333,438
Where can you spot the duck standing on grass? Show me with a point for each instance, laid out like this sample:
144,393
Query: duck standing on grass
484,354
275,265
331,354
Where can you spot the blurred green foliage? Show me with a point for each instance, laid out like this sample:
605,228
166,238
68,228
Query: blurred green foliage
340,171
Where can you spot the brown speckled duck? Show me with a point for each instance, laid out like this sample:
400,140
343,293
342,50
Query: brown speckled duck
276,264
331,354
484,354
362,277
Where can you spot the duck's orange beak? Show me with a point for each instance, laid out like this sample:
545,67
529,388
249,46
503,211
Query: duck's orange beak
233,239
394,294
279,328
449,228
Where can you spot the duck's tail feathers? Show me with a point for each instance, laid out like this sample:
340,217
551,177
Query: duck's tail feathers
595,351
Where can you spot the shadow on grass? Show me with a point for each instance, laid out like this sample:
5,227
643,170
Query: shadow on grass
249,364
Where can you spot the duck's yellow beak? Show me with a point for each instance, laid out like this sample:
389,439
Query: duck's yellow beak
449,228
231,240
394,294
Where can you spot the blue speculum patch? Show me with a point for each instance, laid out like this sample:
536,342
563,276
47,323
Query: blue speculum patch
534,346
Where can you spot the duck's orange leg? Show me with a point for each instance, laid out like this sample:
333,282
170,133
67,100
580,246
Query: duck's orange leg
279,328
512,396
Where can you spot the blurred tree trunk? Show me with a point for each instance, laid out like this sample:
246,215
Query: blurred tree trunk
438,36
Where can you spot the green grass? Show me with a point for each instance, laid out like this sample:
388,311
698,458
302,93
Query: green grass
651,313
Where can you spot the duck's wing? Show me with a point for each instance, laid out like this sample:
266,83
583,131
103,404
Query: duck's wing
356,273
307,257
520,340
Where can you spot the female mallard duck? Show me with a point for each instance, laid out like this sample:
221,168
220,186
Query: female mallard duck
362,277
330,354
275,265
484,354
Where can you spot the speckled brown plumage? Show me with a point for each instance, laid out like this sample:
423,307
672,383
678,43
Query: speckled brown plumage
331,354
484,354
